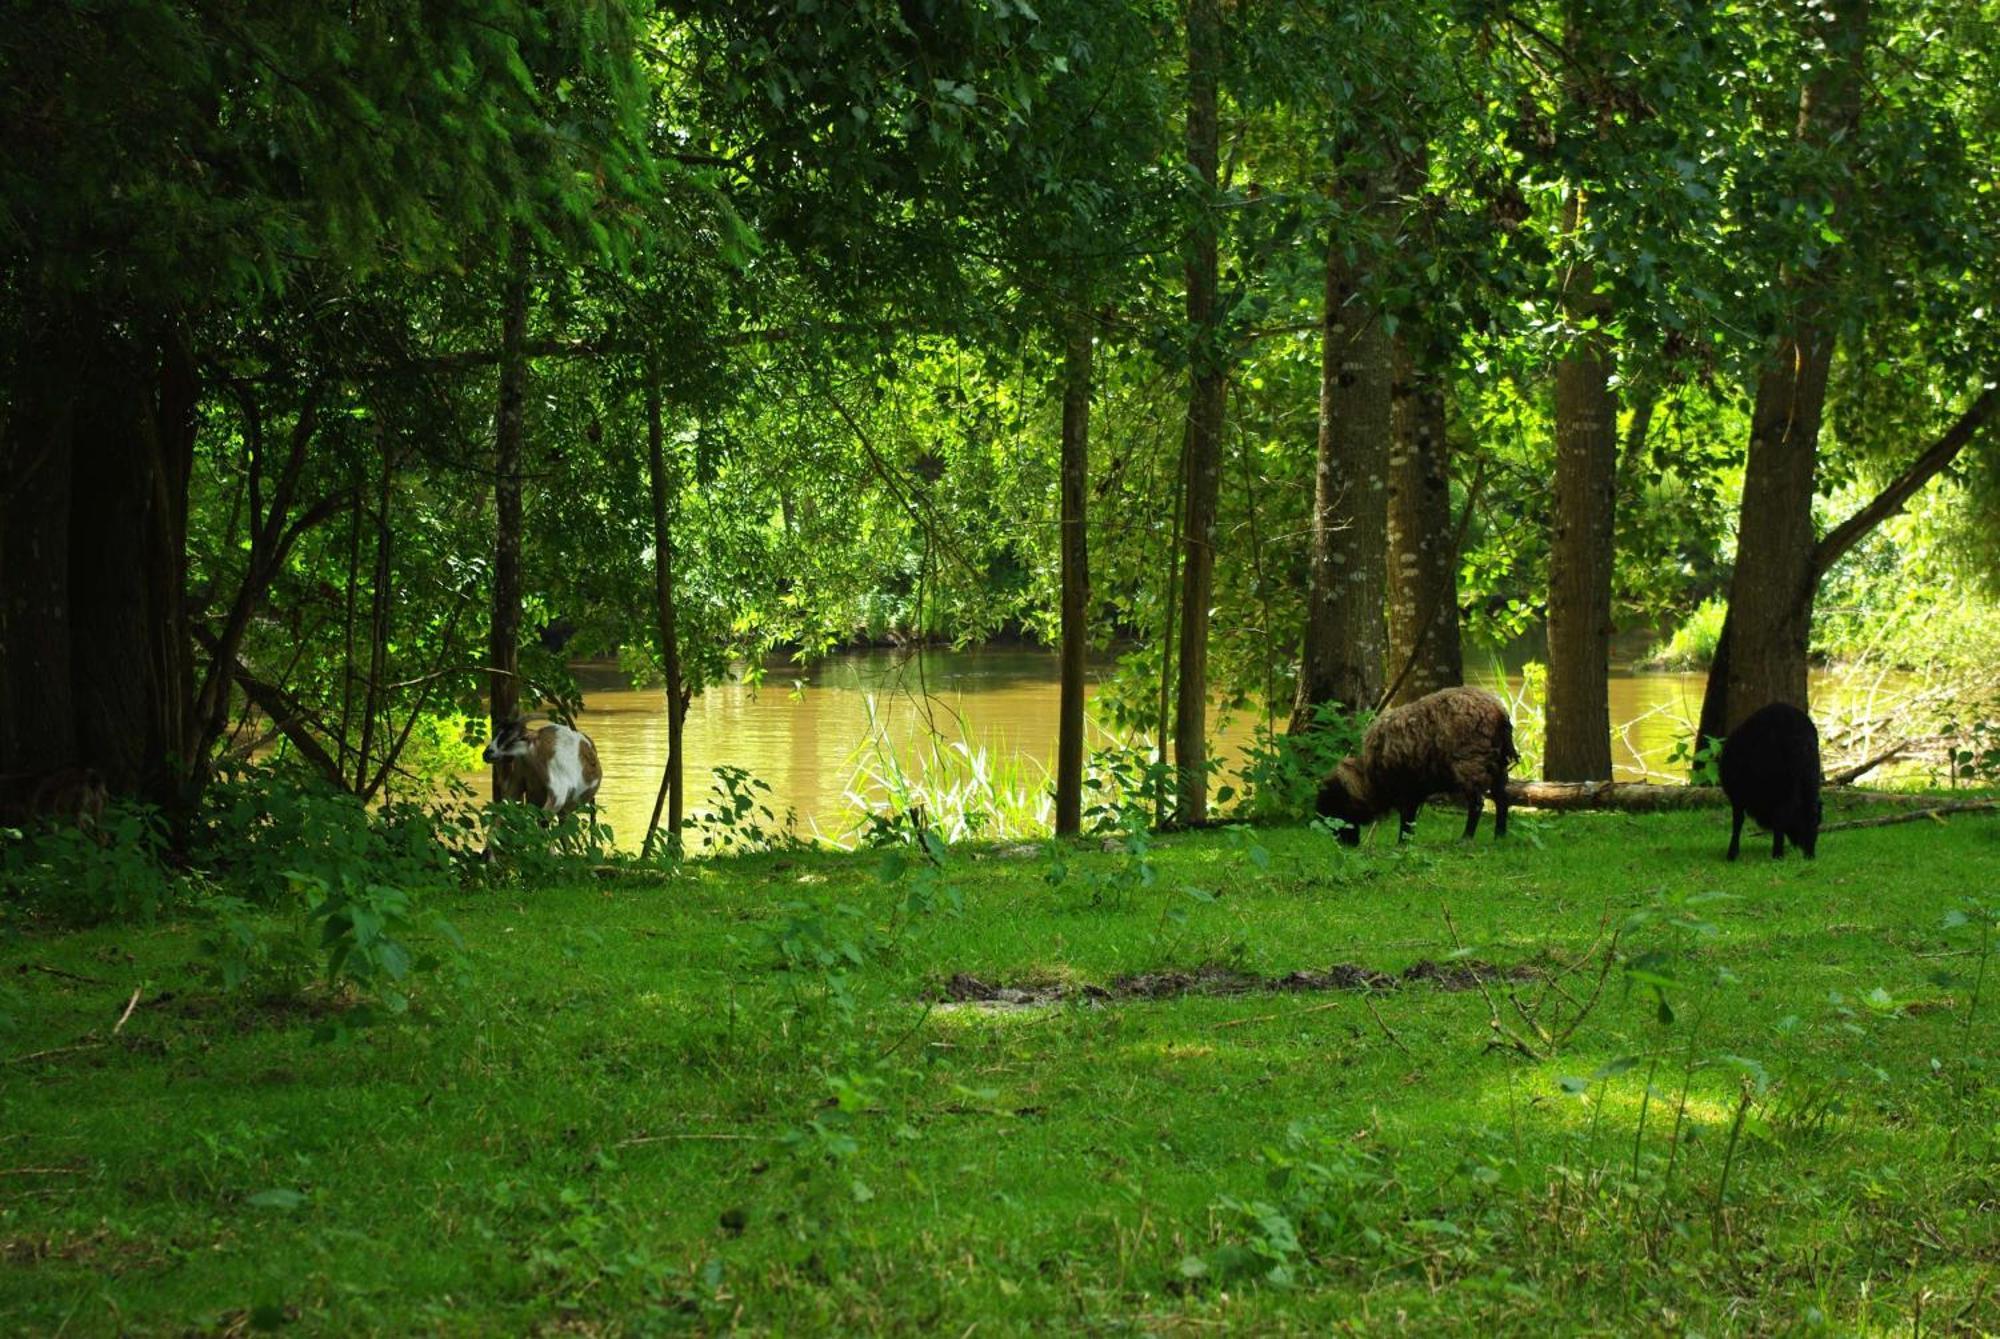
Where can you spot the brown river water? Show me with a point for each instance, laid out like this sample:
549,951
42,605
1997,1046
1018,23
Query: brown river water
817,734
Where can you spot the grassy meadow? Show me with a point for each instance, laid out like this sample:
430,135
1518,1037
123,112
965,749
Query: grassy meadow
1588,1080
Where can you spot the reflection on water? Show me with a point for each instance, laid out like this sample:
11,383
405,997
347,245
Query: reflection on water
807,731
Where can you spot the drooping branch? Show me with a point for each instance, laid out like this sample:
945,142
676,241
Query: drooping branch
287,716
1927,466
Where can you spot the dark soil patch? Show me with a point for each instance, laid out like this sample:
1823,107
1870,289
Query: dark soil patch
1215,979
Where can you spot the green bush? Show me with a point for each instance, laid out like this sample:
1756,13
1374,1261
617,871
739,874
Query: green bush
112,871
1693,644
1281,773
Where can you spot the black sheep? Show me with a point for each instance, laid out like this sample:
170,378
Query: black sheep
1770,770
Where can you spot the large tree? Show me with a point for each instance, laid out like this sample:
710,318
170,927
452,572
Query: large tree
169,177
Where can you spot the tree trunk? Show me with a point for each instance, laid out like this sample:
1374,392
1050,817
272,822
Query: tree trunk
1346,637
37,718
1762,658
133,452
373,702
672,784
95,662
1580,549
1423,552
1077,354
504,650
1204,436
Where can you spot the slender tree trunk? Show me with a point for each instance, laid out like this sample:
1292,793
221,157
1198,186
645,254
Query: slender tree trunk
1580,547
349,671
1346,638
504,651
1204,437
1169,627
1768,630
1423,552
1077,357
672,785
380,597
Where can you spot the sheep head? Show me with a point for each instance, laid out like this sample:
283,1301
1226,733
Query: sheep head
1344,796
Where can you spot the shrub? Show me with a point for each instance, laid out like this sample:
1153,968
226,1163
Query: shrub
1692,645
115,872
1281,773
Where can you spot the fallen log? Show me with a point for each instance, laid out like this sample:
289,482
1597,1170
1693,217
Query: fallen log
1623,796
1911,816
1640,797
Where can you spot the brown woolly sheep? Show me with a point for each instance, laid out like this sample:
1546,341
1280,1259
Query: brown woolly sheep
1456,740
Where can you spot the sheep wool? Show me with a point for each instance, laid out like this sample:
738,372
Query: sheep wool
1770,771
1457,741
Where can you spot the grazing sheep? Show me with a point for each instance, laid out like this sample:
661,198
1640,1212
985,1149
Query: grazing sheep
1456,740
1770,770
555,768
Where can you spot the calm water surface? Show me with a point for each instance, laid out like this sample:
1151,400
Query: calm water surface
814,734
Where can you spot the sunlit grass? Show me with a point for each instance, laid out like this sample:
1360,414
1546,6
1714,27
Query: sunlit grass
635,1118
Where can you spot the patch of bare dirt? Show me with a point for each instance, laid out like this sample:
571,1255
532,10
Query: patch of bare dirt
1216,979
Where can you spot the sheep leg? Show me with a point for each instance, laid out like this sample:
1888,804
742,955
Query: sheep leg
1500,806
1408,825
1736,834
1473,804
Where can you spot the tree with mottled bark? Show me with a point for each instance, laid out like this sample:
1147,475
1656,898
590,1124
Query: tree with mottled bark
1423,551
1762,658
1578,746
1341,660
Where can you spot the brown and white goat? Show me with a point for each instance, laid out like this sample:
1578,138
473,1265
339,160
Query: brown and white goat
554,768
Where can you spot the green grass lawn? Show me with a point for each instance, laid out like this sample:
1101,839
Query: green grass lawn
630,1118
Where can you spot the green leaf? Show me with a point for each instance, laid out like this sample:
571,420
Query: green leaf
278,1197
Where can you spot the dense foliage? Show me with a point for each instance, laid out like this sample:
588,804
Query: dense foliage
338,334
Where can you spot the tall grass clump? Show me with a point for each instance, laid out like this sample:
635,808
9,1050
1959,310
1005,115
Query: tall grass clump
956,789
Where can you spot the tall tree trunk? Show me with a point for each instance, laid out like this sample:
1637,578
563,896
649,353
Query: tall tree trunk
1346,637
672,784
37,719
1768,630
1580,548
1077,356
1204,436
95,659
509,427
1423,552
133,453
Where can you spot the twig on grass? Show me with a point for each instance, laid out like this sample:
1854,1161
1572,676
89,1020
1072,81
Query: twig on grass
1596,992
1937,814
914,1029
1289,1013
27,967
1459,949
57,1050
636,1140
130,1005
1368,998
42,1171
